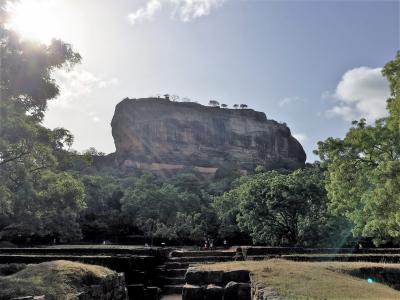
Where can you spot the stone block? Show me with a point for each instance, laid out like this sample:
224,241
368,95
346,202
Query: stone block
244,291
192,292
136,291
214,292
215,277
237,276
231,290
195,277
96,290
153,293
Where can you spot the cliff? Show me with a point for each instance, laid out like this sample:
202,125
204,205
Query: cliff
155,133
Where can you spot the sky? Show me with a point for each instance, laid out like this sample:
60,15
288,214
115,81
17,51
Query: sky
315,65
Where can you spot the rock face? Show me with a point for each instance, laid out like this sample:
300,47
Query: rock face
154,133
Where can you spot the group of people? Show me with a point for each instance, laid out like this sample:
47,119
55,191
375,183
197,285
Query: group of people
209,244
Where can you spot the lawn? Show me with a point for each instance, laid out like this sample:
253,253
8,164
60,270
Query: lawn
314,280
52,279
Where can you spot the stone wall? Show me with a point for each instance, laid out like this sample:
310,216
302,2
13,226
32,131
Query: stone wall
217,285
110,288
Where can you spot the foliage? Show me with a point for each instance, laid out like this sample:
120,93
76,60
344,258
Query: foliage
363,169
34,195
178,208
277,208
214,103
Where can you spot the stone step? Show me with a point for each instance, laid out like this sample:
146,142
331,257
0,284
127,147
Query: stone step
201,259
174,280
175,272
172,289
202,253
259,257
172,297
173,265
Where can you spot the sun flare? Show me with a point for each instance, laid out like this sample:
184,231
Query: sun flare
34,19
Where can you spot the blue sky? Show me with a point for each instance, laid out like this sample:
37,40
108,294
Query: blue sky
312,64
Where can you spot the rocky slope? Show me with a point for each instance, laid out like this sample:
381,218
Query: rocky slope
156,134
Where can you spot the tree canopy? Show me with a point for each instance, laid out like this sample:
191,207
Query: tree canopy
363,169
35,194
280,208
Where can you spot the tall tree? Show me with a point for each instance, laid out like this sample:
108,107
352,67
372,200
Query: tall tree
28,150
280,209
363,169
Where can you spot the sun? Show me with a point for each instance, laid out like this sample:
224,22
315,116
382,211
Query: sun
34,19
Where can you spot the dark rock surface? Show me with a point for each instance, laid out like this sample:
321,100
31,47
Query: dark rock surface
214,292
237,291
157,133
195,277
236,276
192,292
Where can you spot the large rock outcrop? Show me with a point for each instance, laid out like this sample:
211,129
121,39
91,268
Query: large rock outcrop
158,134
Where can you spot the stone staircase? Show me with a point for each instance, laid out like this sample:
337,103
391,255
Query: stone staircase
172,273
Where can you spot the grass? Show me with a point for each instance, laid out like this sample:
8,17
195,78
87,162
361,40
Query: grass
342,254
56,280
313,280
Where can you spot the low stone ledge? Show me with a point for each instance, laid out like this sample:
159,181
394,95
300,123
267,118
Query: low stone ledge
200,277
214,292
195,277
215,277
110,288
237,291
192,292
237,276
217,285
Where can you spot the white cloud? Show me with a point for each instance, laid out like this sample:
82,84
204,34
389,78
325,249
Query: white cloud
187,10
145,13
289,100
301,137
362,92
77,83
193,9
93,116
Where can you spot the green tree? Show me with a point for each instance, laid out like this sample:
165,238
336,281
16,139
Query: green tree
60,199
227,209
279,208
363,169
28,151
146,200
101,218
